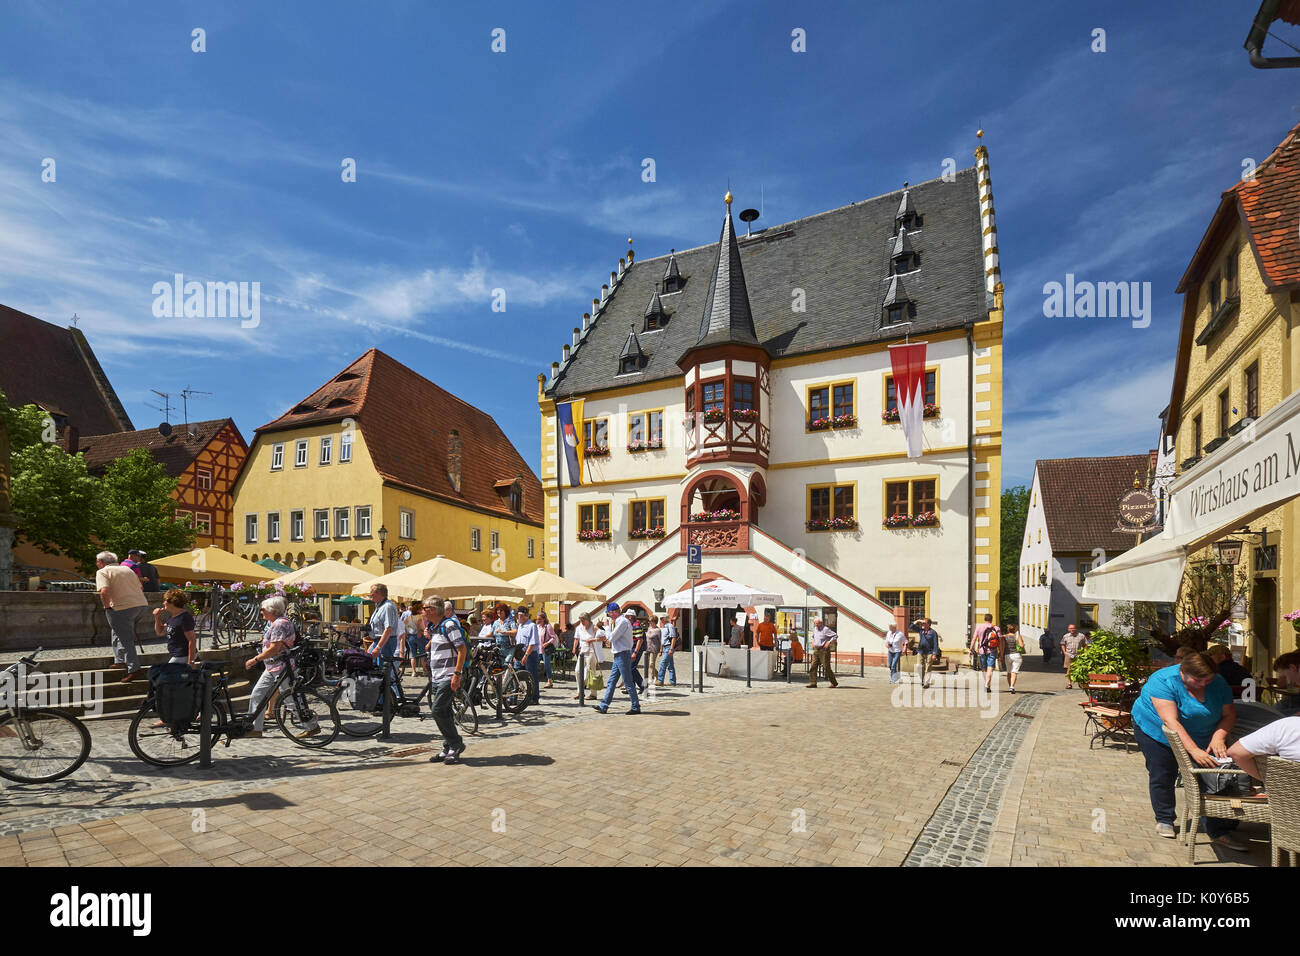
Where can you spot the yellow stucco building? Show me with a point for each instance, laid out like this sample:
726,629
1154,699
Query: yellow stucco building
379,451
1238,358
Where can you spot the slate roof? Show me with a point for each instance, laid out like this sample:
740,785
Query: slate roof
1081,500
43,364
405,420
727,317
839,258
175,453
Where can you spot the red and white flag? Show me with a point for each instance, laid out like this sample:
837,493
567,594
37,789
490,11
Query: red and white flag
909,390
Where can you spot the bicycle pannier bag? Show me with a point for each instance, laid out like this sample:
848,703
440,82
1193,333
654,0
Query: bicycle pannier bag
356,661
177,692
363,691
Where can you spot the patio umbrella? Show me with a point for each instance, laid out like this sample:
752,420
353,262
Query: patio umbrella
542,585
441,577
328,577
210,564
721,593
274,565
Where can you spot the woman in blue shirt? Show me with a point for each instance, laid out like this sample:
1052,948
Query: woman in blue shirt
1192,700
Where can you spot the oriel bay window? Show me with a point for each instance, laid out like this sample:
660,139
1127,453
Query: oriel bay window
646,518
830,508
593,521
714,395
911,504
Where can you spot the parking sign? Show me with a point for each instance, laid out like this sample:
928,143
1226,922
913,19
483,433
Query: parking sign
694,554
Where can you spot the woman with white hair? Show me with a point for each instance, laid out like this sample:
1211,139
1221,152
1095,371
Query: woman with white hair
276,641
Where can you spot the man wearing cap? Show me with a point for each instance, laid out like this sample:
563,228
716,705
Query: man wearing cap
148,573
529,636
620,642
124,604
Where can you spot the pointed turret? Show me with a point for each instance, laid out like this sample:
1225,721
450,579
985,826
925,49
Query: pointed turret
906,214
901,246
727,317
896,294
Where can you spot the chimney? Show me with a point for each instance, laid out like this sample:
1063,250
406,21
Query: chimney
595,306
74,439
613,279
564,351
604,291
586,321
630,254
576,334
555,369
621,266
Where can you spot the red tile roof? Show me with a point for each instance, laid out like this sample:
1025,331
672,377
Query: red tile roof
1081,500
175,453
405,420
42,364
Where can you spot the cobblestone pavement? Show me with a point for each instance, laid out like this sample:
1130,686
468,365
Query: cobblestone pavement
775,775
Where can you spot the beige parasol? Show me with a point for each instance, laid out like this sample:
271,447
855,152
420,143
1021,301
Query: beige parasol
440,577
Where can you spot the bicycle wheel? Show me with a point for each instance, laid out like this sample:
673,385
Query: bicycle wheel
353,722
38,746
516,691
168,746
307,717
463,710
489,690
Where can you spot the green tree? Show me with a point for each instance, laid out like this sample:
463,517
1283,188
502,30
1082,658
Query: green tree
55,498
1015,511
136,508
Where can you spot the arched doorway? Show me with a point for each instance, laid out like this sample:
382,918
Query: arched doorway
715,491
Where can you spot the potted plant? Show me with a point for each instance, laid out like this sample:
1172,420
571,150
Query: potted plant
714,414
898,521
596,451
593,534
656,532
722,514
889,415
1294,618
931,410
844,421
819,424
745,414
926,519
1108,653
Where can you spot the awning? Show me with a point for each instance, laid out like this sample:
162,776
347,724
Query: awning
1251,474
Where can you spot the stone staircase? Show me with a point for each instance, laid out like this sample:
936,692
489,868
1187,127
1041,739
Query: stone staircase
123,700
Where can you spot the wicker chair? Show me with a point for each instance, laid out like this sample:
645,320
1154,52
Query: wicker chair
1197,804
1282,782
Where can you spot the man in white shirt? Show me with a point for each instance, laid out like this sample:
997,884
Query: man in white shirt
1281,738
668,644
895,646
529,636
620,643
821,646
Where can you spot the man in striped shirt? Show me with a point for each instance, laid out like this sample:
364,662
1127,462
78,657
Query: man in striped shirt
446,661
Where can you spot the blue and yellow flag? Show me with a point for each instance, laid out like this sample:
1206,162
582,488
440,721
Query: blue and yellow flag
569,419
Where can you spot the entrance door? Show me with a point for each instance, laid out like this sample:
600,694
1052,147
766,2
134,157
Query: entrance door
1263,624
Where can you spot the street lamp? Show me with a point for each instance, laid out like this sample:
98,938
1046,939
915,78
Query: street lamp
383,553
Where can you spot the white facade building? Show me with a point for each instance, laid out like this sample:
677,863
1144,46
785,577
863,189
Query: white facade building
758,370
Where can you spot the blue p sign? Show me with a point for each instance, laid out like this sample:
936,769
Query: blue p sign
694,552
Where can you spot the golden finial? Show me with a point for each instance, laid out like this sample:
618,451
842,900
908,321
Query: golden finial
629,240
979,134
727,199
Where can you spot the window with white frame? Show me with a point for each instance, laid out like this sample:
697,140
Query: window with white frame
532,548
342,522
277,456
406,524
321,518
250,529
203,478
475,539
300,454
494,541
345,447
272,526
363,521
326,450
296,525
203,522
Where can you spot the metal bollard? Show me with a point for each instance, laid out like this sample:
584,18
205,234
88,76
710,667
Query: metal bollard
701,672
384,689
582,690
747,680
862,662
205,719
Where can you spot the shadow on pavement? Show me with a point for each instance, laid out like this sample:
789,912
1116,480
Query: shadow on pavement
509,760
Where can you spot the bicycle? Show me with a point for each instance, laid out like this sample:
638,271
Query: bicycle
304,715
368,722
39,745
491,677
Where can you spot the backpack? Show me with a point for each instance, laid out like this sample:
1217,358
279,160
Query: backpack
177,693
988,642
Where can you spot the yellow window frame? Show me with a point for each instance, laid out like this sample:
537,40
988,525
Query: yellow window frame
911,494
647,502
831,486
830,399
645,413
595,523
888,377
901,592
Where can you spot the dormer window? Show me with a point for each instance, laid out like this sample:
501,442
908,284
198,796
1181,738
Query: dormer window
897,305
627,365
906,217
632,358
902,256
673,280
516,498
895,314
655,317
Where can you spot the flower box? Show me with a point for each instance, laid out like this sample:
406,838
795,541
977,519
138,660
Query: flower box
844,421
819,424
926,519
832,524
745,414
898,521
638,446
891,415
722,514
714,414
639,533
596,535
596,451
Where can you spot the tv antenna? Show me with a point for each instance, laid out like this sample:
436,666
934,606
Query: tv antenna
166,406
185,400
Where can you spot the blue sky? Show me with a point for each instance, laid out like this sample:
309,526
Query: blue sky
522,170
